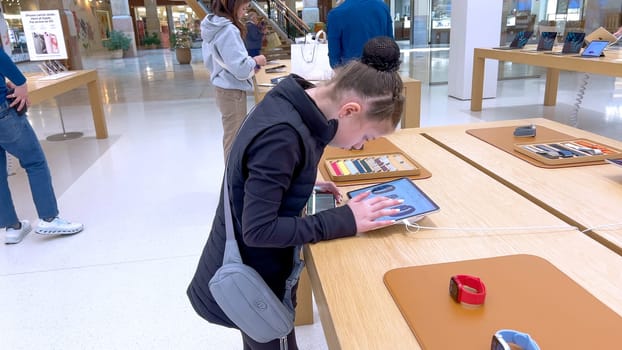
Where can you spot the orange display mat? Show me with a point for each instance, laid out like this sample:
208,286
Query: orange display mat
371,148
503,138
524,292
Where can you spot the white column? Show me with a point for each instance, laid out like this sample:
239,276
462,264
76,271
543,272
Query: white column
122,21
474,23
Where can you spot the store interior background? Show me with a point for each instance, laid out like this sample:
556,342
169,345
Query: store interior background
147,194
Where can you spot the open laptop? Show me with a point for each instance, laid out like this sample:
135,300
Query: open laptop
572,44
601,34
594,49
546,42
518,42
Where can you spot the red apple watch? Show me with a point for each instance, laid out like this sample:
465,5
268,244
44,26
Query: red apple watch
467,289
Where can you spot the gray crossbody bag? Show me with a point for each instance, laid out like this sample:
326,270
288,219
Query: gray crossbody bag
244,296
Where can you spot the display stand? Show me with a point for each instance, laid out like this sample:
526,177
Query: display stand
523,292
64,135
379,147
56,70
503,138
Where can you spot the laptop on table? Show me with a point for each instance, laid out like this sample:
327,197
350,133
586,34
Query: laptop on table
518,42
572,44
546,42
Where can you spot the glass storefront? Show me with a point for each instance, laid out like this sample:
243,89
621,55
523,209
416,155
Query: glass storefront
12,10
176,17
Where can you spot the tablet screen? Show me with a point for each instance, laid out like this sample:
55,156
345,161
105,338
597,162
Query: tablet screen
595,48
416,203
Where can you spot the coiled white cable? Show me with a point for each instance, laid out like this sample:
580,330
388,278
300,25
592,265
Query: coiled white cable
574,117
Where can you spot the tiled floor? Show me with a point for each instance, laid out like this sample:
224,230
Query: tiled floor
147,195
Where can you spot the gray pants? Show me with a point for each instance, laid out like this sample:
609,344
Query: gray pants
232,106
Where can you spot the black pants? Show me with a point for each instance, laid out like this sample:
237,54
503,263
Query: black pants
250,344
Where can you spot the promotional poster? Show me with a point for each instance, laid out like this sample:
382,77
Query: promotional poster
44,35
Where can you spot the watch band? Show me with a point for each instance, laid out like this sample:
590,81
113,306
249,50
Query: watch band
502,338
464,295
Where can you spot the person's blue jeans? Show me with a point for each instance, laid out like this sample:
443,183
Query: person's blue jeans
18,138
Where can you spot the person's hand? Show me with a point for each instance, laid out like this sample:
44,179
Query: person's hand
366,210
20,94
260,60
329,186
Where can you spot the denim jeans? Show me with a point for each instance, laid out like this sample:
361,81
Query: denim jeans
18,138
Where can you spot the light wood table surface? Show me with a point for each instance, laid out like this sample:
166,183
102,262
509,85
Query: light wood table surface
586,196
412,92
610,65
355,307
41,88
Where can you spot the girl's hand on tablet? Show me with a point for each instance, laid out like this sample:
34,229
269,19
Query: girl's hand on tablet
366,210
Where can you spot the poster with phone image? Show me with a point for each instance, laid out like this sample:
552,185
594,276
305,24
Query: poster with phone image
44,35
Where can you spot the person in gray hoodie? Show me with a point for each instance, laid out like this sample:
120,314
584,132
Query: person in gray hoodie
231,68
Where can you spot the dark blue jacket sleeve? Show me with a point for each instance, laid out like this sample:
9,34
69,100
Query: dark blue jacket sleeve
9,69
272,160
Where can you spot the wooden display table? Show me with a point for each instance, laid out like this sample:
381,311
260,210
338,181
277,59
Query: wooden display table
412,93
586,196
610,65
41,87
355,307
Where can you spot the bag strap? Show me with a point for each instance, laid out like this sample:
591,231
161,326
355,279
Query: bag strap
232,250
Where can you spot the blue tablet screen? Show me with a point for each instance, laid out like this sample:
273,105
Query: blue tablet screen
416,203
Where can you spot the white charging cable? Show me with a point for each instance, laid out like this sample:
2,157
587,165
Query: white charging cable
600,227
418,228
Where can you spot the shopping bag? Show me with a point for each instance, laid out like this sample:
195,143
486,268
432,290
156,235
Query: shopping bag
272,41
310,57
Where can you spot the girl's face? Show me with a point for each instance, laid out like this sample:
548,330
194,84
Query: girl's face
354,130
242,10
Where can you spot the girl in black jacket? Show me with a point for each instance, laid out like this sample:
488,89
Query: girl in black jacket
272,168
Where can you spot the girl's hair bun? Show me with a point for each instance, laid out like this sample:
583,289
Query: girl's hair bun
382,53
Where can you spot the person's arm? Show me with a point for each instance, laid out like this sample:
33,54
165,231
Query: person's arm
17,81
272,159
333,32
235,56
10,70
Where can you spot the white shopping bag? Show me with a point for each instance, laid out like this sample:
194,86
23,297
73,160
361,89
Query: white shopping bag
310,57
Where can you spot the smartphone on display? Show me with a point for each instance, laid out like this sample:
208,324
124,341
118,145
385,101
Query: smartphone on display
276,69
320,201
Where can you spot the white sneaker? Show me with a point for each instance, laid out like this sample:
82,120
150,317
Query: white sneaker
16,235
58,226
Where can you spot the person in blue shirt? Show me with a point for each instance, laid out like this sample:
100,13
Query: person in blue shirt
351,24
18,138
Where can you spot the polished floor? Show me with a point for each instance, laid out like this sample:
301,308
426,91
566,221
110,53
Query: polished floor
147,195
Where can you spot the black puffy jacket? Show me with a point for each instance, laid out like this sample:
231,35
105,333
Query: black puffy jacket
271,172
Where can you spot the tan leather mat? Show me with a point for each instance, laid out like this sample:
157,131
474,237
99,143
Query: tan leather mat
378,146
504,139
524,292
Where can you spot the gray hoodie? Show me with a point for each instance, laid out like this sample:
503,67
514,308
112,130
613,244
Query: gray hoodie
224,54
